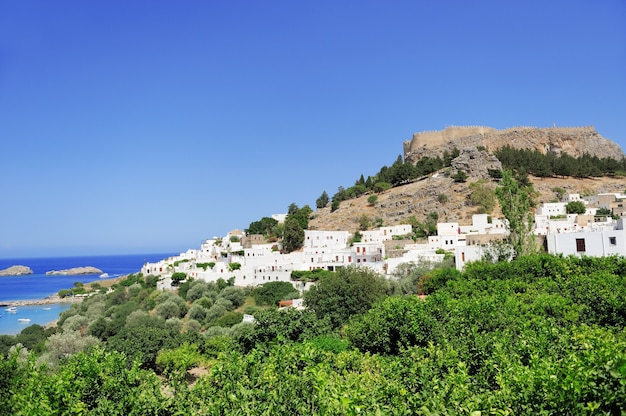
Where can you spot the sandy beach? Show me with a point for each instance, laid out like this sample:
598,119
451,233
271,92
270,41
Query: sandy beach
45,301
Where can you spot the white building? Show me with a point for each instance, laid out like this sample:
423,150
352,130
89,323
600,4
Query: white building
592,241
257,262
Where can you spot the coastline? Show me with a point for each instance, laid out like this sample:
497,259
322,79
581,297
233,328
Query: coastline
45,301
54,298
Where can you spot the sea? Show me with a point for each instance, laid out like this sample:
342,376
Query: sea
39,285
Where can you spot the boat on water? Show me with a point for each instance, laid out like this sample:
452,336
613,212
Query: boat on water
23,320
47,309
11,309
104,275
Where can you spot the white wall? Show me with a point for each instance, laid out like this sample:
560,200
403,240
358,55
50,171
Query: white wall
597,243
447,228
325,239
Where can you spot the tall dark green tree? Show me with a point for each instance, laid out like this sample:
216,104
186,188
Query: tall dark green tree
293,208
264,226
322,201
293,234
516,202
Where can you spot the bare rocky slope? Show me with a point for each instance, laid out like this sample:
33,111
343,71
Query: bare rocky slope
475,143
419,198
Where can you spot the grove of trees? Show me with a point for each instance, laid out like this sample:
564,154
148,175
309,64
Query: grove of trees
541,334
538,164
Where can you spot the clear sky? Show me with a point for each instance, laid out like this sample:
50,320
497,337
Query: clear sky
149,126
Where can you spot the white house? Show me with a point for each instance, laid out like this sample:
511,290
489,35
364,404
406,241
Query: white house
593,241
325,239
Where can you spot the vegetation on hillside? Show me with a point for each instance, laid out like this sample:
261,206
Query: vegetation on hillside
541,165
520,161
399,173
541,334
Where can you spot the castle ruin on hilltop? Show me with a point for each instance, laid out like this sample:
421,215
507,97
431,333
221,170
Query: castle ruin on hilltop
574,141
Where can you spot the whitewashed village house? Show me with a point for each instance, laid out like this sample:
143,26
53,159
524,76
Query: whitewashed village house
250,261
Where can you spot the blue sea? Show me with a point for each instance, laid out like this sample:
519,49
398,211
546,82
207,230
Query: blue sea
38,285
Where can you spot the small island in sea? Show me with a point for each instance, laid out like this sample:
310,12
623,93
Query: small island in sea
75,271
16,271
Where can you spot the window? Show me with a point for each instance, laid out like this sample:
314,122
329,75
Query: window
613,241
580,245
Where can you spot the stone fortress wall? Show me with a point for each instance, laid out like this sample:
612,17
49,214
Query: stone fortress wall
572,140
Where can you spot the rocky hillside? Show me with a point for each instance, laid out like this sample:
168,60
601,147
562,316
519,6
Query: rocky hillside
557,140
419,198
451,200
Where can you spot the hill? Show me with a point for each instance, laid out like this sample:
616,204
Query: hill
421,197
474,146
575,141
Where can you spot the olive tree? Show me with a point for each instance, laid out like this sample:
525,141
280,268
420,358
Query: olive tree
347,292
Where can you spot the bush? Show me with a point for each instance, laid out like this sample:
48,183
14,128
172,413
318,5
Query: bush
229,319
382,186
179,359
197,313
62,345
290,325
272,292
575,207
347,292
177,278
235,295
168,309
459,177
75,323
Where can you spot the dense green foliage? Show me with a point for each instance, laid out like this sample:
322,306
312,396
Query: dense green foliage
538,335
575,207
347,292
516,197
310,275
178,277
426,228
296,222
322,201
483,195
538,164
266,226
270,293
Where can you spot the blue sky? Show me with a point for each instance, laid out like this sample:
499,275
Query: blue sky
148,126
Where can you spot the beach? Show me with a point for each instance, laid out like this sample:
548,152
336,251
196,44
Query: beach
45,301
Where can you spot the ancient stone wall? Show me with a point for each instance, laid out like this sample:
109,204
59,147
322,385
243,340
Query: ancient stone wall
572,140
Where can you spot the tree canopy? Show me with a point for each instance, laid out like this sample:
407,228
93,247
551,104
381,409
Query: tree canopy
516,201
347,292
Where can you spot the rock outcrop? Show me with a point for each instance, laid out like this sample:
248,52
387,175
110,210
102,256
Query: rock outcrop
75,271
476,163
16,271
574,141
